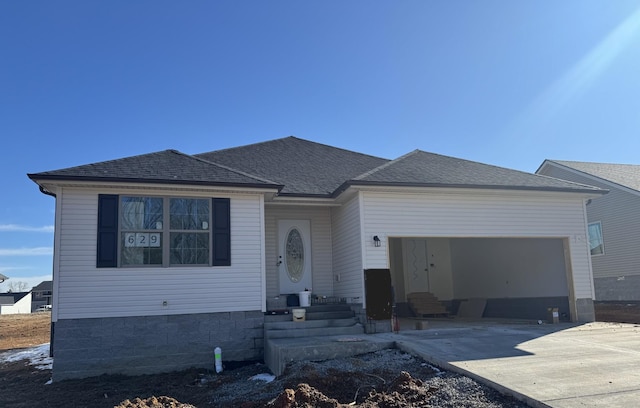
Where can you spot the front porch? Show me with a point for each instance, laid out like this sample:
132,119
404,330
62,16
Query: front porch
328,331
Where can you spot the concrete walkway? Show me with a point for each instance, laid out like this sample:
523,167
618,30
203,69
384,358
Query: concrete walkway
561,365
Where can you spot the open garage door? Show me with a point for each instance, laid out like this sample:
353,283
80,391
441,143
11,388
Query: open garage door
518,278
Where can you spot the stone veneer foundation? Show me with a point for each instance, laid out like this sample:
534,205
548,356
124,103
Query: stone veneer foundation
153,344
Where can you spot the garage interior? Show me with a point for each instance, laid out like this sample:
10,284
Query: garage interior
514,278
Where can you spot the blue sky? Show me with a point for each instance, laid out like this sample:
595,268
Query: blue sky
501,82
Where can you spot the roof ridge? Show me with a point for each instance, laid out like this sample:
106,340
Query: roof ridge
246,145
226,167
336,148
293,138
385,165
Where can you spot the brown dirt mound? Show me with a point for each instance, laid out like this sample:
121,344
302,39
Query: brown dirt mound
403,392
154,402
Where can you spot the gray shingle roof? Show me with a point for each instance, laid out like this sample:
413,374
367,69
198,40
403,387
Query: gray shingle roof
11,298
627,175
303,167
420,168
168,166
43,286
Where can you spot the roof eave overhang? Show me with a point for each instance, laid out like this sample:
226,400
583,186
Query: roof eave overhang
303,199
114,182
588,193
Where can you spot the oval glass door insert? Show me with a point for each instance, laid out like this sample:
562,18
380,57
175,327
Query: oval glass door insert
295,255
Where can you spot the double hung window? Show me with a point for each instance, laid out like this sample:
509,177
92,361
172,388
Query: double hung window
163,231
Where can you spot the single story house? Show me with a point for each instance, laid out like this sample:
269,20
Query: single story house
159,258
613,224
15,303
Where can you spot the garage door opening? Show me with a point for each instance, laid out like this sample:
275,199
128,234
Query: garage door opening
517,278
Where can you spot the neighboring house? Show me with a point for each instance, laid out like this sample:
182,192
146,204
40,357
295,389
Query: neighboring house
41,295
161,257
613,222
15,303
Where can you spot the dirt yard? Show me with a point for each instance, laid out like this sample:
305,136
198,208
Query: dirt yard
387,379
24,330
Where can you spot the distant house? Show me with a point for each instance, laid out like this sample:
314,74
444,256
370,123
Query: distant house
613,224
41,294
15,303
161,257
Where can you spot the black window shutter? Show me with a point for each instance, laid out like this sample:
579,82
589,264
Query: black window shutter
221,232
107,250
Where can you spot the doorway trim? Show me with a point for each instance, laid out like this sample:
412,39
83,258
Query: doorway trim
294,274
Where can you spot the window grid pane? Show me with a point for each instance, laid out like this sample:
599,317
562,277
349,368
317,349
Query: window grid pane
135,253
141,235
189,214
140,213
189,248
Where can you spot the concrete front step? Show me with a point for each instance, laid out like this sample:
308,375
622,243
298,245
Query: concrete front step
356,329
281,351
328,331
329,307
342,314
308,324
311,314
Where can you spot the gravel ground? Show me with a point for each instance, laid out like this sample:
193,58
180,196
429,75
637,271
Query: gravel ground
387,378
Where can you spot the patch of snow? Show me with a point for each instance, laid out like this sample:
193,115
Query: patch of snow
263,377
38,356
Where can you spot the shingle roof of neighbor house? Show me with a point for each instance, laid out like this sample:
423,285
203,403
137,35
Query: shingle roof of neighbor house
626,175
44,286
303,168
12,297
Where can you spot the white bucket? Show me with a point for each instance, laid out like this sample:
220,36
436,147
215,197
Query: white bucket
299,315
305,298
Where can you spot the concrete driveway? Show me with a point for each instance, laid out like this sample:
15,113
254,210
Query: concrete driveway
561,365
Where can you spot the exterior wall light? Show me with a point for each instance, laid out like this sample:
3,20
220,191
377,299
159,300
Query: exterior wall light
376,241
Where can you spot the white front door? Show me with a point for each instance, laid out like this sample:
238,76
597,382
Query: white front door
294,255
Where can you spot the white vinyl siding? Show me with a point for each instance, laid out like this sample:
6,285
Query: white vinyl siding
619,214
319,217
86,291
479,214
347,250
22,306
